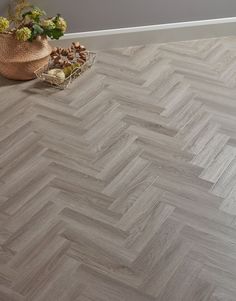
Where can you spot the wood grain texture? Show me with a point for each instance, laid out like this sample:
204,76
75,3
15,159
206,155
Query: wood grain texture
123,186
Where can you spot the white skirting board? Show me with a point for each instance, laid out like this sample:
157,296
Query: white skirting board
164,33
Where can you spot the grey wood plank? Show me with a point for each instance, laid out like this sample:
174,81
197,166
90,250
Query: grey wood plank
122,187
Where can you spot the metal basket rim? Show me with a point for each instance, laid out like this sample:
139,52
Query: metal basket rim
76,72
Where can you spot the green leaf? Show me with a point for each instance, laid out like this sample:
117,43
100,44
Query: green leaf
54,34
28,13
38,30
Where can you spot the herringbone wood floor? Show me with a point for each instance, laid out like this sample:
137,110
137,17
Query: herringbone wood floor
123,187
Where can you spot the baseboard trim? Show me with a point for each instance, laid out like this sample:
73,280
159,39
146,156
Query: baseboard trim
162,33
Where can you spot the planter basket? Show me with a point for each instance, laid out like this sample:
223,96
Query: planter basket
19,60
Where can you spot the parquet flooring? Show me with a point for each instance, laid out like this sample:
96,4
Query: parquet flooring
122,188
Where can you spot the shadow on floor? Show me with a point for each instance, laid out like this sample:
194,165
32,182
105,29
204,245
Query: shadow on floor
4,82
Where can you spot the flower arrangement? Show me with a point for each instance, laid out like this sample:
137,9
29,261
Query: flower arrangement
27,22
26,53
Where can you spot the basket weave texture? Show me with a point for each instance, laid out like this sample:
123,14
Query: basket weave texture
19,60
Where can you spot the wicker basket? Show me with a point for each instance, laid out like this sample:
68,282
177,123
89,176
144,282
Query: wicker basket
19,60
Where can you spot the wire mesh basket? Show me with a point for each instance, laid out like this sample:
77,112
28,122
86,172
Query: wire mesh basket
52,80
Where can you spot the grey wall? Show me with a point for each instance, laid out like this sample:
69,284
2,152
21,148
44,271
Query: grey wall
86,15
